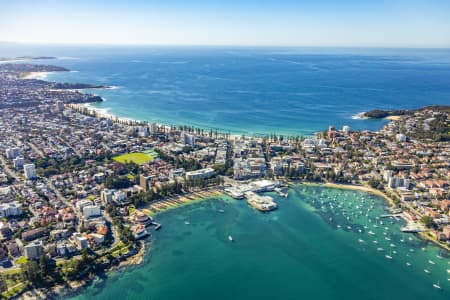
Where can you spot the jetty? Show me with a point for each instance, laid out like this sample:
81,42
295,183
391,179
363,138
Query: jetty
261,203
413,228
238,190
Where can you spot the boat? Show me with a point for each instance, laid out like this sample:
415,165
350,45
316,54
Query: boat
380,249
388,256
426,271
230,238
361,241
431,262
436,285
140,232
187,222
221,211
371,233
448,271
408,264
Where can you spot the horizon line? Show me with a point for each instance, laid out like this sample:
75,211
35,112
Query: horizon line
224,45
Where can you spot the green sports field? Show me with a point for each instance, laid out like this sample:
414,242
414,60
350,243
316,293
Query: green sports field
137,157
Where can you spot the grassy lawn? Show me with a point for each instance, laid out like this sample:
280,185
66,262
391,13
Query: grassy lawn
15,290
138,158
21,260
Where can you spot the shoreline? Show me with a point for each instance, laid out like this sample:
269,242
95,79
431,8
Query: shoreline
352,187
35,75
173,202
72,288
422,235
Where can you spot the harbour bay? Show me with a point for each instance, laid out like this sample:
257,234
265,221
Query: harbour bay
307,248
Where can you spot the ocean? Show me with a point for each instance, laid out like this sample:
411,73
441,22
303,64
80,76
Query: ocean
290,91
304,250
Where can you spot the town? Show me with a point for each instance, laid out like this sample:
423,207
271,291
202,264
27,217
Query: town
79,190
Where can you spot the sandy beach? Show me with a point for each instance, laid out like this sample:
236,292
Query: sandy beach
35,75
393,118
173,202
366,189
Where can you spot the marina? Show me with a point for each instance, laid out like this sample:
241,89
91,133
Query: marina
310,211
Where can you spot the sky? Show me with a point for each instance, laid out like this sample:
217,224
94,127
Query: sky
334,23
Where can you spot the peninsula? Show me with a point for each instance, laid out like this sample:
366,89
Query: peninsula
79,190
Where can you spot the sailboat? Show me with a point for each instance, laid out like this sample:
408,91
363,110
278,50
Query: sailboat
436,285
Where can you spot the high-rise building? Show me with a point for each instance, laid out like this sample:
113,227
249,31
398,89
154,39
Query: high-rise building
18,162
33,250
29,171
346,129
144,182
106,196
189,139
59,106
12,153
91,211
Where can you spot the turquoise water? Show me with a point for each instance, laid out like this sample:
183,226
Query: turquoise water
296,252
295,91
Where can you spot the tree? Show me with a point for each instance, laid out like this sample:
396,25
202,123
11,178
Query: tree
3,286
31,272
428,221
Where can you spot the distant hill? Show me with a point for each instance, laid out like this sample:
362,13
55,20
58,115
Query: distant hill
379,114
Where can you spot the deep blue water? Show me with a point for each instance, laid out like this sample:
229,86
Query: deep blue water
254,90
